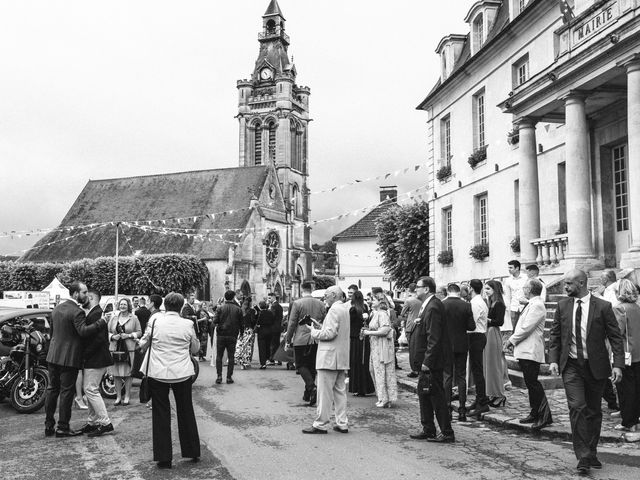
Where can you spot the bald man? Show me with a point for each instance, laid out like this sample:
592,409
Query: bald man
332,363
577,350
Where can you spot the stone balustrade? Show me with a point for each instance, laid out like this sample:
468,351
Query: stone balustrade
550,250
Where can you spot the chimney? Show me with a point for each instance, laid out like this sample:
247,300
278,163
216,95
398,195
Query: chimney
389,193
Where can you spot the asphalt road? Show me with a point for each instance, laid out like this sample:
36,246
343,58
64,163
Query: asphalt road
252,430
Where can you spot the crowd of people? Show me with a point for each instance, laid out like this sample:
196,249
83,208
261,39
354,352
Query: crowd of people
346,343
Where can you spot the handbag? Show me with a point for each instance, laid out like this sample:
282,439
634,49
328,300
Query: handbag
627,353
424,383
145,391
121,354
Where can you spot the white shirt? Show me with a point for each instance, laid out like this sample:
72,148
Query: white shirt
480,312
573,351
513,289
424,305
610,294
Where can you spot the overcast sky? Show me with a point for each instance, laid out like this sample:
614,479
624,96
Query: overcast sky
103,89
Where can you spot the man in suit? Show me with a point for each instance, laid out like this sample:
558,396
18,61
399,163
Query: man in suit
409,314
142,313
458,318
477,342
278,313
577,350
528,342
189,311
431,339
299,337
64,359
96,360
332,363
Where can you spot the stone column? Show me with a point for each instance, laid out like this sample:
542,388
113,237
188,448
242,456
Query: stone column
579,217
632,257
529,192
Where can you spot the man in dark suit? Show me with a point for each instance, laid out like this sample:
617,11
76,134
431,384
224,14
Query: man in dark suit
188,311
458,318
96,360
68,326
430,338
409,314
142,313
577,349
276,308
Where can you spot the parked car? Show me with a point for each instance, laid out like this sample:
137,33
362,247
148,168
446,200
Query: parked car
40,317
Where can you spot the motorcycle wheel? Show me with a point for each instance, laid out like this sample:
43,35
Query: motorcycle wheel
28,397
107,386
196,367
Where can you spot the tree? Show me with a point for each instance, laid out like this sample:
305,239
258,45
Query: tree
403,241
325,257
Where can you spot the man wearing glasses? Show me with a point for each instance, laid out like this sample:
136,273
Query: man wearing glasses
429,339
332,363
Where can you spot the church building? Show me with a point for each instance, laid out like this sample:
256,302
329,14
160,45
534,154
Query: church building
534,139
248,224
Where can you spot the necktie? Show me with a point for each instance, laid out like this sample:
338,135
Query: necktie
579,333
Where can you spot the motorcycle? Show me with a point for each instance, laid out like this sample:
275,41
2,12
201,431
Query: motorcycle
23,374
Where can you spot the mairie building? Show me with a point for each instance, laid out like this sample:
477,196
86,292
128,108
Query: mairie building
248,224
534,139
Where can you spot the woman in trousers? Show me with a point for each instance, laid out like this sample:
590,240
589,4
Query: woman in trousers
264,327
168,359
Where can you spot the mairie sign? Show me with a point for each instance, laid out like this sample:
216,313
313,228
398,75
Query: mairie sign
595,22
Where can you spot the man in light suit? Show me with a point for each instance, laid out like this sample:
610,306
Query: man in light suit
332,363
577,349
528,342
65,357
430,338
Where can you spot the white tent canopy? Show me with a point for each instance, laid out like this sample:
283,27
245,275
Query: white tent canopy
56,288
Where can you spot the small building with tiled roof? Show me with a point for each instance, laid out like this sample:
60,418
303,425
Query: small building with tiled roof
359,262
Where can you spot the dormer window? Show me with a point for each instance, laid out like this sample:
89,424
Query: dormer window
480,18
478,32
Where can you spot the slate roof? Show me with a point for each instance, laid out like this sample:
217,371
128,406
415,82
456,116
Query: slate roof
366,226
156,197
273,9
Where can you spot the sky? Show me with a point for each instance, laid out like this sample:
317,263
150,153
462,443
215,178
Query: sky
105,89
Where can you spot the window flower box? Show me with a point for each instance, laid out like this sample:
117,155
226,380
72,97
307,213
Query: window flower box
445,257
479,251
513,137
479,155
515,244
443,173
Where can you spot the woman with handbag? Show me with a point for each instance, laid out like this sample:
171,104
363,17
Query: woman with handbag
494,361
382,360
169,342
360,381
628,316
124,329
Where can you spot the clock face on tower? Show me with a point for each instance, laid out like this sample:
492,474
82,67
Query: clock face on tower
266,74
272,244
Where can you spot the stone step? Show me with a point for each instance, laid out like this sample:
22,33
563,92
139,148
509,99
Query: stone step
548,382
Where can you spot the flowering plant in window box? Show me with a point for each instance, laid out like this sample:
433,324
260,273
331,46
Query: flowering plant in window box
479,251
479,154
515,244
445,257
444,172
513,136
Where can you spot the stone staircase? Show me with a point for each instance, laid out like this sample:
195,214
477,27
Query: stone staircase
554,293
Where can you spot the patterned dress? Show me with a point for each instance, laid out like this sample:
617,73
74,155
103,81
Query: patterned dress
382,360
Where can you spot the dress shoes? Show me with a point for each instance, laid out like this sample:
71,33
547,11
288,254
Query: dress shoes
528,419
584,465
340,430
229,380
478,410
164,465
462,417
219,380
595,463
306,396
422,436
88,428
67,433
413,374
313,430
442,439
536,427
313,397
49,432
101,430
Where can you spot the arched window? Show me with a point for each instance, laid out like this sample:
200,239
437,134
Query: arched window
296,199
478,32
272,141
257,145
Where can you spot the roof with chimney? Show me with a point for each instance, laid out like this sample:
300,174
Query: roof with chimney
366,226
219,200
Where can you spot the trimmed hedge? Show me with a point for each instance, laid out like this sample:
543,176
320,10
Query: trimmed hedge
144,274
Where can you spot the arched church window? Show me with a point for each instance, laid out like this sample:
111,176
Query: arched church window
296,200
257,145
272,141
271,26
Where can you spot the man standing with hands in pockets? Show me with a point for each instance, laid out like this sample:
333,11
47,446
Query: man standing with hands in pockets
577,350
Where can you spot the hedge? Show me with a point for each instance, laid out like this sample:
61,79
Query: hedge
143,274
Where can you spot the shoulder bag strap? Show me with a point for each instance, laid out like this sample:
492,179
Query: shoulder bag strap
626,332
149,352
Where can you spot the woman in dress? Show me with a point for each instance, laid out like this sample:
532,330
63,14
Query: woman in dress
124,329
169,364
244,348
494,360
360,381
628,316
382,359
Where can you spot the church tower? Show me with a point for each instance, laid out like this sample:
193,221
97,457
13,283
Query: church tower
273,115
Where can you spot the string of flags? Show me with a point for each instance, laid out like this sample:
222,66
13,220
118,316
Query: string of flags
133,252
384,176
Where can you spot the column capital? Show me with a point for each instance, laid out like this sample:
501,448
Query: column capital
630,63
575,96
525,122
